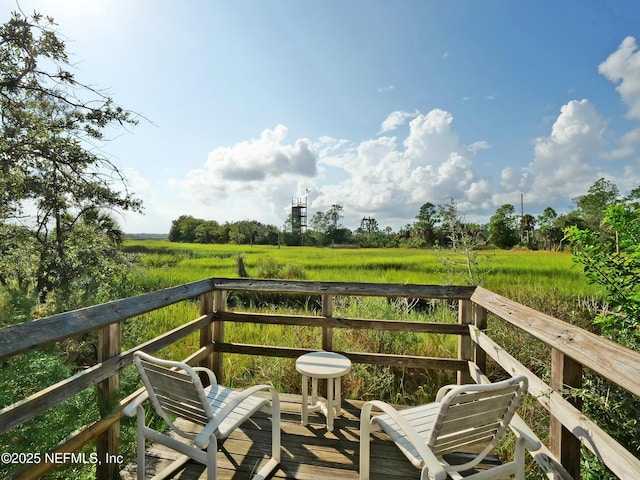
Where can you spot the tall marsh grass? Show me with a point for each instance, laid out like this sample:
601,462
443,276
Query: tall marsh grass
503,270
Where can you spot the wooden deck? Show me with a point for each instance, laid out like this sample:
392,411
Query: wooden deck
308,452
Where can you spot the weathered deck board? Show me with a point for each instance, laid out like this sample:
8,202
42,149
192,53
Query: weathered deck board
308,452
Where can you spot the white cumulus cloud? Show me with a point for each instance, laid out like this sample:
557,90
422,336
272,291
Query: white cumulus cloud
622,67
394,180
396,119
627,145
565,161
259,164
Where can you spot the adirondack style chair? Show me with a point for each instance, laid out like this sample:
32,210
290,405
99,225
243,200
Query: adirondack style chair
461,417
176,391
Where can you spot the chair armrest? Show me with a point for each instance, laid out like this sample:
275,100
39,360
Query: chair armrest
433,468
131,408
212,376
202,439
443,391
525,434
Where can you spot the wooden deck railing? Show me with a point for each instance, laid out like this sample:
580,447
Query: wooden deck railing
572,349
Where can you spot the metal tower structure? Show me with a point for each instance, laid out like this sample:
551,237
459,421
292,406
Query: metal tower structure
299,217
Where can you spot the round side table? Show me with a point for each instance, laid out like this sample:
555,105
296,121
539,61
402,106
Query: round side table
322,365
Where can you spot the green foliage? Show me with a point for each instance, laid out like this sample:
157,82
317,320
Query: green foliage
593,205
92,270
615,266
25,375
326,227
188,229
603,402
51,134
268,267
503,231
19,259
551,234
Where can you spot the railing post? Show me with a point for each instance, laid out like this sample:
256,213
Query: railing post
465,351
562,443
206,333
327,332
219,305
480,321
108,443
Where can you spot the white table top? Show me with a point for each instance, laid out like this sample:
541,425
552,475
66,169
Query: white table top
323,364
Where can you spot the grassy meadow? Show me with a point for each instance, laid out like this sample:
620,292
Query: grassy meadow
166,264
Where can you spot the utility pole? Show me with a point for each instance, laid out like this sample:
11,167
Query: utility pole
522,226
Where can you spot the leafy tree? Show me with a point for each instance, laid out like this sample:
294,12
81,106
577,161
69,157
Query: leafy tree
593,205
327,224
183,229
616,267
551,233
188,229
18,258
503,231
633,199
93,268
428,218
450,222
527,227
208,232
50,127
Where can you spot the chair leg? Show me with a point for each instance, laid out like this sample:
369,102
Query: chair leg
520,455
275,427
274,461
212,459
365,439
141,443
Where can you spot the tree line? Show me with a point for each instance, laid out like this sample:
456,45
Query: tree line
189,229
434,226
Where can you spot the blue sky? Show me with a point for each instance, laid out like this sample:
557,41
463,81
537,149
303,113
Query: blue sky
379,106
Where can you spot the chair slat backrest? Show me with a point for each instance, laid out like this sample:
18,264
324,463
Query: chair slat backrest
475,415
175,391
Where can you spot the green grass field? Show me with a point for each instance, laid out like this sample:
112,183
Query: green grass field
167,264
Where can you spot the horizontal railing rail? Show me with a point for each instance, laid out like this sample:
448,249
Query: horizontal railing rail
614,362
572,348
23,337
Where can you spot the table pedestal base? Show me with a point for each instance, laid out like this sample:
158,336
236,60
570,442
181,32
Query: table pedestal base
330,409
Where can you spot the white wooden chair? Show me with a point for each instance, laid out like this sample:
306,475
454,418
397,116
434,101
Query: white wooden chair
177,392
461,417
